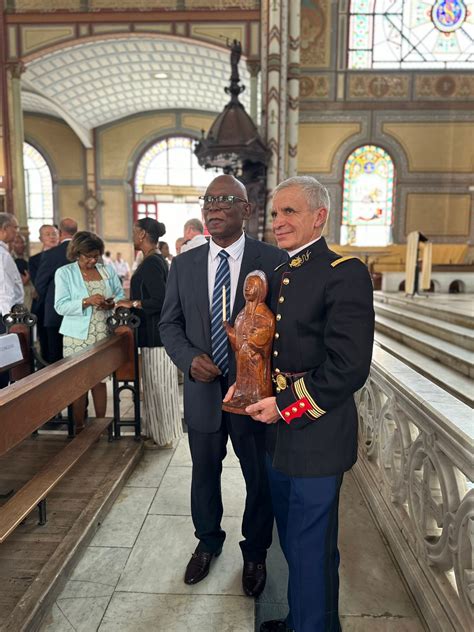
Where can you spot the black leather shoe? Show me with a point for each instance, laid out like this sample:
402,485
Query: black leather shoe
198,566
276,625
254,577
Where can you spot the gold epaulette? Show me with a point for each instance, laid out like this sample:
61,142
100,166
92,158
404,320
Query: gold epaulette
341,260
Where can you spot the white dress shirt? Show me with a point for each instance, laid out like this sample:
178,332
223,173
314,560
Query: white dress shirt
11,286
197,240
122,268
235,252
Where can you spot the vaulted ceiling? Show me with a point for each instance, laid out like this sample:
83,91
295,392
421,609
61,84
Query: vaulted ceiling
104,80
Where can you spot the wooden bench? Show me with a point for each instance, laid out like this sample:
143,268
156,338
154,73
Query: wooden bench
27,404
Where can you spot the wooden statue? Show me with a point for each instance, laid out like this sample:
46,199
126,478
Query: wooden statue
251,338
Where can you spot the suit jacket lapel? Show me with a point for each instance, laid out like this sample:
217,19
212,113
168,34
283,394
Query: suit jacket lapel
201,290
250,261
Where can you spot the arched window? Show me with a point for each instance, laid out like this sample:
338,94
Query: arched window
171,161
38,190
168,182
411,34
368,198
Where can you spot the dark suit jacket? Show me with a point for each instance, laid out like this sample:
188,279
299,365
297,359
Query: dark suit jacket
185,328
51,260
148,285
325,327
34,264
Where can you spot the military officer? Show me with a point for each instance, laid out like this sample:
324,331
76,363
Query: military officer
321,356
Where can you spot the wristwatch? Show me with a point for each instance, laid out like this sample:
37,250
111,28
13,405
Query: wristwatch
136,304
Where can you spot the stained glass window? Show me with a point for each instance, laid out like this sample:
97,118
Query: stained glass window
411,34
38,190
171,161
368,198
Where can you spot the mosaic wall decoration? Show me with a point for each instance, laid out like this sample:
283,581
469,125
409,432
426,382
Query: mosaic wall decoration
315,33
315,87
411,34
437,86
375,86
368,197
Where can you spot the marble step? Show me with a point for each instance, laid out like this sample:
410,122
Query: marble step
450,380
444,352
457,335
447,308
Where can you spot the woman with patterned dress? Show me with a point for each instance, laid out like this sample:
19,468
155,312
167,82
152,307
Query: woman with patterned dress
85,294
162,416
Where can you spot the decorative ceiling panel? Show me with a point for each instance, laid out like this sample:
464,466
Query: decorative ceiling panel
102,81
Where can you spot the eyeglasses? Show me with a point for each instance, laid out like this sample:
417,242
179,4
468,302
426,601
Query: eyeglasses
222,201
90,257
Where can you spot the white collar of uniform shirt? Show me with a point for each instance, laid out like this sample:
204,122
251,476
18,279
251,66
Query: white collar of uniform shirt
310,243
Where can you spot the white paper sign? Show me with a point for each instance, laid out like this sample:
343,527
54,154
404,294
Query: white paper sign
10,350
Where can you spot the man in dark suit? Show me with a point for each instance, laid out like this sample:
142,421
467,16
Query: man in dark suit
192,333
321,356
51,260
49,237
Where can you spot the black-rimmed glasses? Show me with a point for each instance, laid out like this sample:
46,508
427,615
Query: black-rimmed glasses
221,201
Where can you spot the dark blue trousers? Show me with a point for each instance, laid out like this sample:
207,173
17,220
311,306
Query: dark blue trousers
306,513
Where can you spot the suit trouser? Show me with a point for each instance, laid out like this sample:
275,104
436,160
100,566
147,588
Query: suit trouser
4,375
208,450
306,513
55,345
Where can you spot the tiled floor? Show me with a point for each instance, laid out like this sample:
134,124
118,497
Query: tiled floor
130,577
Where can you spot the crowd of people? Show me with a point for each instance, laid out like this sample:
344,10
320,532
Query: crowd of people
293,446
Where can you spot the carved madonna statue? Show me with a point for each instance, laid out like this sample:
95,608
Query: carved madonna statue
251,338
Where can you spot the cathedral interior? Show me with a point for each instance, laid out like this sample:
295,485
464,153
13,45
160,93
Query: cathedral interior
107,110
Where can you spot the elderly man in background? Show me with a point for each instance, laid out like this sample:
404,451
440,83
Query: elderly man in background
321,356
11,285
51,260
193,234
49,237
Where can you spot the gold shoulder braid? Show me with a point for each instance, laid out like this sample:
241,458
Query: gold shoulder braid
341,260
298,261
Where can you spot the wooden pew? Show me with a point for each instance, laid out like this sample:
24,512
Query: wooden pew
30,402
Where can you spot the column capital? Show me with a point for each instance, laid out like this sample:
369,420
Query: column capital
16,68
253,66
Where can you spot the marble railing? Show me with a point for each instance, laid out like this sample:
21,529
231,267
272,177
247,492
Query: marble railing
415,469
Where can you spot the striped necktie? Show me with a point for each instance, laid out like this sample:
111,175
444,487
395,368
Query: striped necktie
218,333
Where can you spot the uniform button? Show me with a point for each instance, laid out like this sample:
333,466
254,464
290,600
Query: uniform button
281,299
275,353
286,281
278,390
278,316
294,409
287,414
277,370
277,335
302,405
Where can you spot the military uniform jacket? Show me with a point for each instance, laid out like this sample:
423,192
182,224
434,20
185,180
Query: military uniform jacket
321,357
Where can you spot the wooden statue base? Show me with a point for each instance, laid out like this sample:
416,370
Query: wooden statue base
237,405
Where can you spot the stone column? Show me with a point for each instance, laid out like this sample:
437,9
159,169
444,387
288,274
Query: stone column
274,74
15,145
253,67
6,202
293,87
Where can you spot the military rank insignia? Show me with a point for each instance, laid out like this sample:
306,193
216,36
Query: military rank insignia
298,261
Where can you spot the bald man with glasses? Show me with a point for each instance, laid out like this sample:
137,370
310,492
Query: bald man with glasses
192,333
